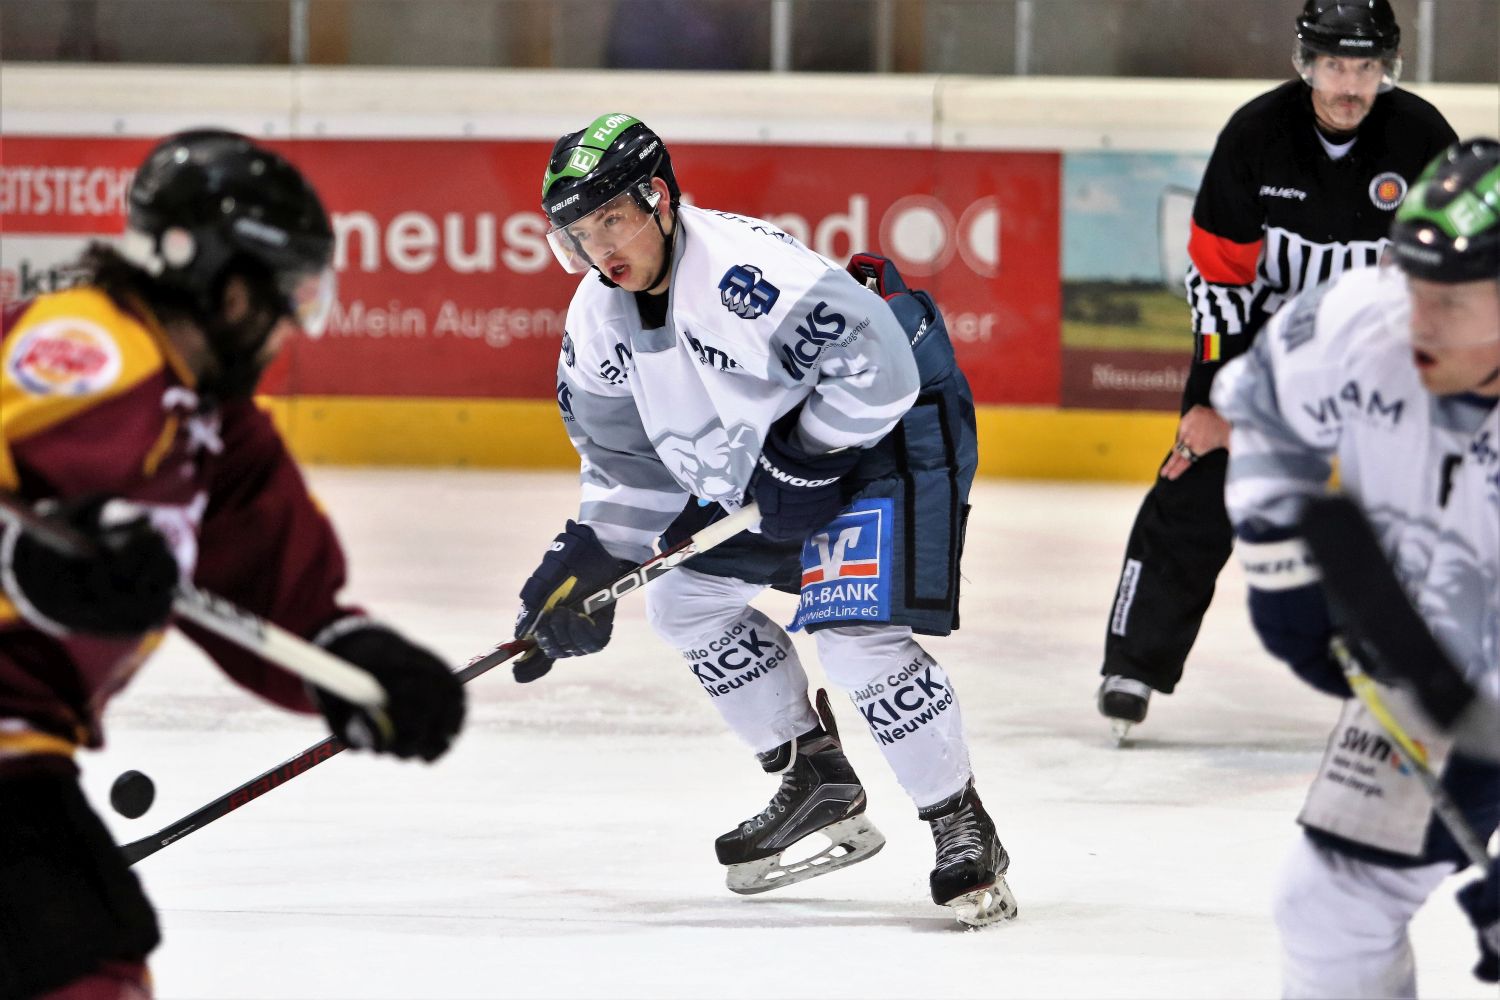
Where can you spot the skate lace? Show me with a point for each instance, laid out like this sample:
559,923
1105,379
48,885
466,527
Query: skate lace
958,836
779,803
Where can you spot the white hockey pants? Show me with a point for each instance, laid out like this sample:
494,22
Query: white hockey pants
748,666
1343,923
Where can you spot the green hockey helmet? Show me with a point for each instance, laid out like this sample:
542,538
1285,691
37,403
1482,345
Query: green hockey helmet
1448,228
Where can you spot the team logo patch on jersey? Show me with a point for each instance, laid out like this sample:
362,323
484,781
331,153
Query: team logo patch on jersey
65,357
846,567
745,293
1387,190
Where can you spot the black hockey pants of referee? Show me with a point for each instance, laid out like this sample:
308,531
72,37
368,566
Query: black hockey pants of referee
1180,542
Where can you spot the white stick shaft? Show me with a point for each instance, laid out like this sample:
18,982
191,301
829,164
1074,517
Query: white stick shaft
275,644
270,642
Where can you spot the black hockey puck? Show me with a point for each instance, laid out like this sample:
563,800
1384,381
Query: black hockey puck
132,794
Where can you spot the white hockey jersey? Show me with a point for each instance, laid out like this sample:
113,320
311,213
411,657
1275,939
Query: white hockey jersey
1332,376
756,325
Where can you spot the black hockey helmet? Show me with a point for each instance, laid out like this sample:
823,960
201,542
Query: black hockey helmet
208,202
612,155
1349,28
1448,228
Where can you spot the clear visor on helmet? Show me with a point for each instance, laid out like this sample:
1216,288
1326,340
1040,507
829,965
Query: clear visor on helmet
594,238
1346,73
1432,316
309,296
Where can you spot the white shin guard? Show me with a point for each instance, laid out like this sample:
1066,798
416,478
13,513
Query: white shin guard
744,661
908,703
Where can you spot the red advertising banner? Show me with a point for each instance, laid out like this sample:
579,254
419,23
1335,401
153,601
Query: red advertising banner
447,287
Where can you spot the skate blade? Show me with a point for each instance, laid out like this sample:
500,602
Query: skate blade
1121,730
851,841
984,906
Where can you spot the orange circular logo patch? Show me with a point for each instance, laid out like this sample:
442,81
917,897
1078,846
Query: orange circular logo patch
1387,190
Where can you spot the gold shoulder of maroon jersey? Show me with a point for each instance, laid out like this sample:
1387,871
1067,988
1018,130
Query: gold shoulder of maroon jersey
67,355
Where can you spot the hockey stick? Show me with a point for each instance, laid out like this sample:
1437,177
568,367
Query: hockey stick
1368,602
1365,690
1371,606
635,579
272,643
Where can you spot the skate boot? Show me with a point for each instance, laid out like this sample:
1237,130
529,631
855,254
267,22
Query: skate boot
971,862
1123,701
819,794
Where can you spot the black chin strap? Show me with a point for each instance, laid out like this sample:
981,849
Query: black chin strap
666,261
240,367
1492,380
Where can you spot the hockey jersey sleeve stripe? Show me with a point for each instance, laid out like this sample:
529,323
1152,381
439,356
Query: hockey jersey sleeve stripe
20,741
629,496
865,373
10,481
1218,308
626,495
65,355
1223,261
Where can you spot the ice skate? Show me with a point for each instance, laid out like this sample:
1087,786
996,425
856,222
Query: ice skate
971,862
1123,701
821,796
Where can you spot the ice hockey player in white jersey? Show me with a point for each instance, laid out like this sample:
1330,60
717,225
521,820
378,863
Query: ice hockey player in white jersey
712,361
1394,371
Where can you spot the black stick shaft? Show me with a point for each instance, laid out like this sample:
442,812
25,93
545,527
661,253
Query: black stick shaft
332,746
285,771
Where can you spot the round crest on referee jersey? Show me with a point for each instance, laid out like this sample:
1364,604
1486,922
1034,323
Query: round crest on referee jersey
612,155
207,199
1349,27
1448,228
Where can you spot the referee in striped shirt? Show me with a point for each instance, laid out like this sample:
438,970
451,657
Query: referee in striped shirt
1302,185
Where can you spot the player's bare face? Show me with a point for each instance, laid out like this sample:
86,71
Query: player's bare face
1344,89
1455,336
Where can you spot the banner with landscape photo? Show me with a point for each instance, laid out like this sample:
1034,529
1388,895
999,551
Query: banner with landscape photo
1126,332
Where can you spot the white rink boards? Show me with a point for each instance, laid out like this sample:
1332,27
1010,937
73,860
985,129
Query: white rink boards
564,849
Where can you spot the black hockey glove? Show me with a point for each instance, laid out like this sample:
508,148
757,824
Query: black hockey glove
1288,607
797,493
1481,900
424,700
575,566
124,588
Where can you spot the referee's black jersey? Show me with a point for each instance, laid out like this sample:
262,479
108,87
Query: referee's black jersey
1276,213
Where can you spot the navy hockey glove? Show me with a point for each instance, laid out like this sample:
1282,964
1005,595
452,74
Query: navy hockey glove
1288,607
797,493
575,566
124,588
424,700
1481,900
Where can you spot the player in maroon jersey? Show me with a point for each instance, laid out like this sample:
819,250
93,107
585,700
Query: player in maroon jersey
125,414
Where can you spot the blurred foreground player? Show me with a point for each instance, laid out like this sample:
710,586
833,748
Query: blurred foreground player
126,415
713,360
1302,185
1395,371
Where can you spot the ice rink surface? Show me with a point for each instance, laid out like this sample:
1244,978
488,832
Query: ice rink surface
565,847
